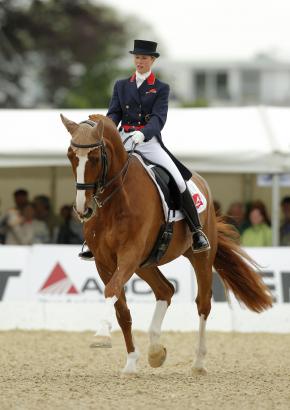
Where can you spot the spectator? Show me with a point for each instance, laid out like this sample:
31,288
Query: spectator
20,201
259,233
285,227
24,229
71,230
43,212
236,216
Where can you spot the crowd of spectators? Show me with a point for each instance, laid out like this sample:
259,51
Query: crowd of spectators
254,225
33,221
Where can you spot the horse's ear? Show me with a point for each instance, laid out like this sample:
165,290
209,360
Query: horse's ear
98,130
69,125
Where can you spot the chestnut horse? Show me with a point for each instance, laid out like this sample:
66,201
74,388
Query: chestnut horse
122,215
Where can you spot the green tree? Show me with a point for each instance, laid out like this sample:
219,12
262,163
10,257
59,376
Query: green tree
61,53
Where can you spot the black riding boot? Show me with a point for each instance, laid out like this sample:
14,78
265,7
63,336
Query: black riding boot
199,240
86,255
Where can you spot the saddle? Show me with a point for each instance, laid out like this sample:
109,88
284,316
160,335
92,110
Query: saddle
172,197
166,183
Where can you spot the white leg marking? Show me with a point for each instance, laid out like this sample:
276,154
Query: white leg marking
106,322
131,364
201,347
156,351
158,316
102,337
81,193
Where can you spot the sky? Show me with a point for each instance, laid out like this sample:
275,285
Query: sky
214,29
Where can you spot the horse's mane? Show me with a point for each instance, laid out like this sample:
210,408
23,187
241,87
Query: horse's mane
110,126
107,120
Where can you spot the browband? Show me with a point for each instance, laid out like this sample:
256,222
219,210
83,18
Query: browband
94,145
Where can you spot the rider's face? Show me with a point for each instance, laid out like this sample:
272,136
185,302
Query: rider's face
143,63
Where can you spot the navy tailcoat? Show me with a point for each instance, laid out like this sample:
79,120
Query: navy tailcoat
144,106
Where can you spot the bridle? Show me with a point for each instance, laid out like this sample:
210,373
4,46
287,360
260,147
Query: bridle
101,184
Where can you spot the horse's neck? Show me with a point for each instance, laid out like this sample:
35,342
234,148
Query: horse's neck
118,155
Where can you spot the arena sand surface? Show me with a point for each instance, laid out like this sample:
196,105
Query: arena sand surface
57,370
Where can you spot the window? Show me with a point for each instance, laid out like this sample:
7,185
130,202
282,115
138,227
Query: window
250,86
200,84
221,81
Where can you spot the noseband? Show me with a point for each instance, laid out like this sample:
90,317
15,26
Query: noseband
101,184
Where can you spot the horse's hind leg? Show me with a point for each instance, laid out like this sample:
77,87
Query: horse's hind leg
163,291
203,269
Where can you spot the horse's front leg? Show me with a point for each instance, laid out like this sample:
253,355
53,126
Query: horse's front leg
115,298
125,322
102,336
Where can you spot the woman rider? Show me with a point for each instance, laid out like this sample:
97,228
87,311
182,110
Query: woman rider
140,103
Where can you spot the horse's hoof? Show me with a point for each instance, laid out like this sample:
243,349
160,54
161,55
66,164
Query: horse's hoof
156,355
198,371
128,375
101,341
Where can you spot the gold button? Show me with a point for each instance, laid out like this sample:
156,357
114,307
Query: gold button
140,115
127,106
139,122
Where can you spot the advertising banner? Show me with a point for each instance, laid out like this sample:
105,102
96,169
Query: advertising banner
53,281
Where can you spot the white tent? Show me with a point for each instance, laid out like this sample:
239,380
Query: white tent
255,140
243,140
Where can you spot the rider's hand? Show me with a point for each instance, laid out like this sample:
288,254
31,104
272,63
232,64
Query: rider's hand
138,137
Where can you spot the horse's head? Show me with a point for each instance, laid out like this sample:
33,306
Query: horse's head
88,159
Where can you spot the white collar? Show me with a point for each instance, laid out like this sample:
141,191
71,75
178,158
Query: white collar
142,77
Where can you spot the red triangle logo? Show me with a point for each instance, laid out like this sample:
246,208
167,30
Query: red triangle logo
72,290
58,282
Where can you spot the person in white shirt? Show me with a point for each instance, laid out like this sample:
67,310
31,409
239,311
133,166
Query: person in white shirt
24,229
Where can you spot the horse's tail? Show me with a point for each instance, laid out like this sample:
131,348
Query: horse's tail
238,270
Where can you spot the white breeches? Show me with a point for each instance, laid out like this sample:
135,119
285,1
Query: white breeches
155,153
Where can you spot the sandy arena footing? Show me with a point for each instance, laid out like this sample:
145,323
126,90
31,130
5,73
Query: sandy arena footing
58,370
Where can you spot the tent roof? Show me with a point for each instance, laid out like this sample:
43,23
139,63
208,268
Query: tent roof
251,139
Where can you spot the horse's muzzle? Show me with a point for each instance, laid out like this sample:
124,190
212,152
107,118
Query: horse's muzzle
86,216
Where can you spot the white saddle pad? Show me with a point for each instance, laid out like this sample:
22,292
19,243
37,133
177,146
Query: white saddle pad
197,195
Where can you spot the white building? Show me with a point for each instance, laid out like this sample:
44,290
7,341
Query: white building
262,80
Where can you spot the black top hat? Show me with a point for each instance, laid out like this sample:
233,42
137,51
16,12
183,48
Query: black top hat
143,47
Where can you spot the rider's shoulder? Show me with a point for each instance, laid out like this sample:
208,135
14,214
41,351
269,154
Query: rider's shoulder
119,84
123,80
162,84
